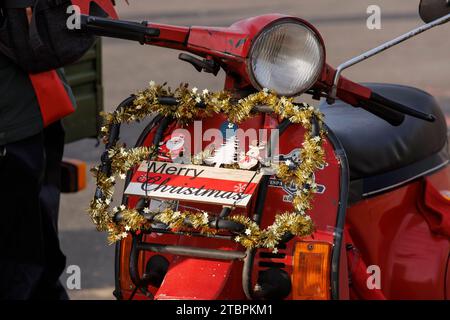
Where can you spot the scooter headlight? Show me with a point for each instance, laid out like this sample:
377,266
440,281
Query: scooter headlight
286,57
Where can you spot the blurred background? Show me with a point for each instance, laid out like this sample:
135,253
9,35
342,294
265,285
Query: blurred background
422,62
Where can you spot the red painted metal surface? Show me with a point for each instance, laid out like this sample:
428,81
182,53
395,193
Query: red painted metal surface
236,40
391,232
173,37
347,90
447,280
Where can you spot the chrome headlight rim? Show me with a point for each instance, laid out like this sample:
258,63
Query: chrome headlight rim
275,23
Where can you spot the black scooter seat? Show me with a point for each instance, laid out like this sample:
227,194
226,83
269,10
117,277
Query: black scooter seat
375,147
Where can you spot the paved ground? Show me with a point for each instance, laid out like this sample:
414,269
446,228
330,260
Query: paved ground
423,62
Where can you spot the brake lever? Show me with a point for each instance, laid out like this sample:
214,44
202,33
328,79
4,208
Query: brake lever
206,65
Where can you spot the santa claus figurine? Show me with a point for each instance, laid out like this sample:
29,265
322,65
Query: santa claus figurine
172,148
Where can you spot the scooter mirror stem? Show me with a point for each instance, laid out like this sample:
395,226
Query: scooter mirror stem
366,55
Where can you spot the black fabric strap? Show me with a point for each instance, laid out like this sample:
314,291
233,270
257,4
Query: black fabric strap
17,4
7,51
34,37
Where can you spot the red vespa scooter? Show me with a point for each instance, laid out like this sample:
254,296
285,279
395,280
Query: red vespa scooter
382,202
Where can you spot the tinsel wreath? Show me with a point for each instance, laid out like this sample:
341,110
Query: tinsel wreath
122,160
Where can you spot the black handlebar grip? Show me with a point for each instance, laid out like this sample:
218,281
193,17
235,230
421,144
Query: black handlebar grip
393,105
391,116
128,30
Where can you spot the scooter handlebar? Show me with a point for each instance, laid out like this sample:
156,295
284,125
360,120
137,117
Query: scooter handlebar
361,96
391,116
391,111
120,29
391,104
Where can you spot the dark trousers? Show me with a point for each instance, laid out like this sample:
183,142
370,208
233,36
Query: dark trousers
31,260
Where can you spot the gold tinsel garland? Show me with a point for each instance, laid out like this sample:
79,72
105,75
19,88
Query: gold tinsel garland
122,160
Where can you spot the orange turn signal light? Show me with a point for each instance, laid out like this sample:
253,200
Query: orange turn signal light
311,275
73,175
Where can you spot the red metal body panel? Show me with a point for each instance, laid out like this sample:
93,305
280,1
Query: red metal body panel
235,40
173,37
344,290
222,42
202,279
347,90
390,231
447,281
